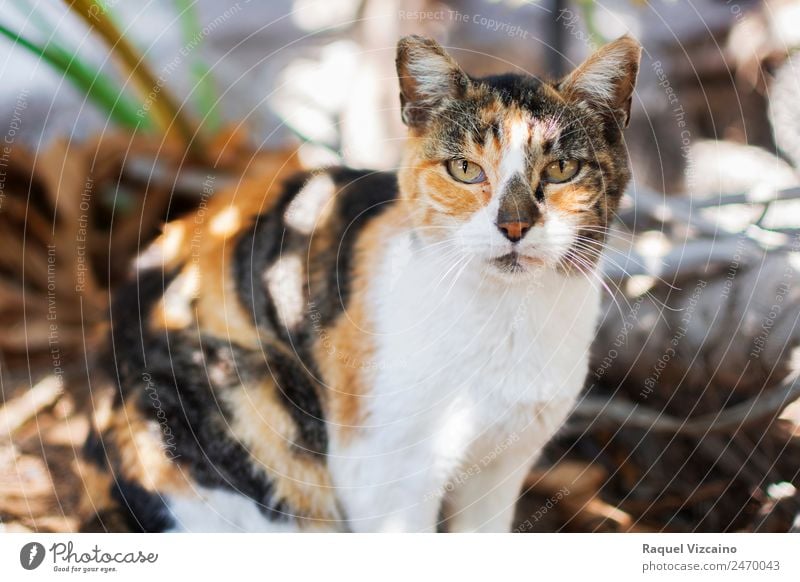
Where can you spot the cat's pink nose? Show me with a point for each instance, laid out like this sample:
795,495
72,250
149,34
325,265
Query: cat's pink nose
514,231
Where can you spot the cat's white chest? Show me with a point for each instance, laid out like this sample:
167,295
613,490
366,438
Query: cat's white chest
458,353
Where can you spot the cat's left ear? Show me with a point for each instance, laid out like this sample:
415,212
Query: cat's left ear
428,76
607,78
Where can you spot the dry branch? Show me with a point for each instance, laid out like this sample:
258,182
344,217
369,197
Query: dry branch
15,413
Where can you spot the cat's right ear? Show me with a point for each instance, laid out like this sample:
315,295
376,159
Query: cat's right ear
427,77
607,78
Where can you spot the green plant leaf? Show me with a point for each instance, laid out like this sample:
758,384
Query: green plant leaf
205,90
98,88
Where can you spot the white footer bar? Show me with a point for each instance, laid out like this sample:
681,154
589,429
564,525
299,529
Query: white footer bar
406,558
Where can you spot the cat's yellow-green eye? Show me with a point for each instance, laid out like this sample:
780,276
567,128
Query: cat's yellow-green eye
465,171
561,171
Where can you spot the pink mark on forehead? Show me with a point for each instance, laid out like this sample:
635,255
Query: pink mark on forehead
524,130
544,129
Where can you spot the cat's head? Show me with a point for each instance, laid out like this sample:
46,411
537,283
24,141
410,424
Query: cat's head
513,171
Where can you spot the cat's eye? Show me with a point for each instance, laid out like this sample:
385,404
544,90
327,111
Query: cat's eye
465,171
561,171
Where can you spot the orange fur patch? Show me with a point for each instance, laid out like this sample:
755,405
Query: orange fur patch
142,455
571,199
262,425
345,351
203,243
459,201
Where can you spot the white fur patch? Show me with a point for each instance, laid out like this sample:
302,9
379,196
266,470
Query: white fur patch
463,362
515,155
220,511
311,205
284,281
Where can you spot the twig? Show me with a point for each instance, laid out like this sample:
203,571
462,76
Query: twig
668,210
693,257
748,198
595,412
15,413
165,110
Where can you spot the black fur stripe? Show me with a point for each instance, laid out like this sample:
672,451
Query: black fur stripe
143,511
362,195
300,397
359,197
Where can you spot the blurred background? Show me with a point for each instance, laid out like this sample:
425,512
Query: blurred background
118,116
323,71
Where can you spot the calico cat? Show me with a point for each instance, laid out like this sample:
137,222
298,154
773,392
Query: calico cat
349,350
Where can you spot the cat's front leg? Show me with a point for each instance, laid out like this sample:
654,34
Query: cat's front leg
483,495
385,484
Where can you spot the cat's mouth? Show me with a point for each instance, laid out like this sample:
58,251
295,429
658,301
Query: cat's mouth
515,262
